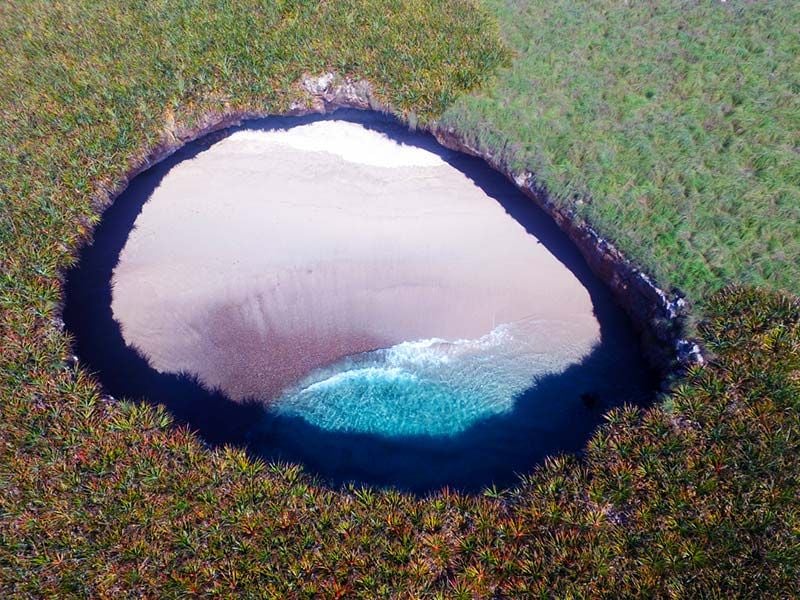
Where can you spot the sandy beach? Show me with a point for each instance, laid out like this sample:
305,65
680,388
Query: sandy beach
274,253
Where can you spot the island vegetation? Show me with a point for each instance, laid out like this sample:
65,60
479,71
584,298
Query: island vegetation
671,127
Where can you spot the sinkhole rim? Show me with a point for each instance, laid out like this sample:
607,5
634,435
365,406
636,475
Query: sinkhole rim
222,130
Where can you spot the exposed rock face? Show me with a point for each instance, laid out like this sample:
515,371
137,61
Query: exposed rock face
327,92
658,316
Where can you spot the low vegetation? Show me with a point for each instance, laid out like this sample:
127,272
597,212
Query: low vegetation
699,497
696,497
671,126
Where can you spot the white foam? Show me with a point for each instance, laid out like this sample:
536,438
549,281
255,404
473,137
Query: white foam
430,386
366,373
435,351
349,141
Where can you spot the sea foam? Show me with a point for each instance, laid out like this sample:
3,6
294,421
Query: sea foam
431,387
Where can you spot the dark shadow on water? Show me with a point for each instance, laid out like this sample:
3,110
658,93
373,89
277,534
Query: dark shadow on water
557,415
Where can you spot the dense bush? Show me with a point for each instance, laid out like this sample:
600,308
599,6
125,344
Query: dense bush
696,498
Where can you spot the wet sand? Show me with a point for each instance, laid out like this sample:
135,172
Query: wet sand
274,253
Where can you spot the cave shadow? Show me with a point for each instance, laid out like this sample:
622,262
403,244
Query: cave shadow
556,415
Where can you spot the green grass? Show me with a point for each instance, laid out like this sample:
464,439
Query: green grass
675,124
697,497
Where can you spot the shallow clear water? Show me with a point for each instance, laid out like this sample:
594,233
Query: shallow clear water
431,387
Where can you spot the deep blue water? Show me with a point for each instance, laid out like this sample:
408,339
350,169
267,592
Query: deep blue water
417,416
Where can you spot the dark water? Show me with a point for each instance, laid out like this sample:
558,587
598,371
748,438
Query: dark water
556,414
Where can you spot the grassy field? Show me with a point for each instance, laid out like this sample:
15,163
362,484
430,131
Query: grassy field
697,497
674,127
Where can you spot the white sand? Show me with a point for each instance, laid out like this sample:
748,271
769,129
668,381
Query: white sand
274,253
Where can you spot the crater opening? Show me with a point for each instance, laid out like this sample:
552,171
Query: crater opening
341,292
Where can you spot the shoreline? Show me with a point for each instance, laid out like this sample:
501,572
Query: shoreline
276,252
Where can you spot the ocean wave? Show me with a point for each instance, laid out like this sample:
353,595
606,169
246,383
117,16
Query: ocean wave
430,386
437,351
359,376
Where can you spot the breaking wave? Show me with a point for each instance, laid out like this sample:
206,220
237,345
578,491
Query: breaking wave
432,387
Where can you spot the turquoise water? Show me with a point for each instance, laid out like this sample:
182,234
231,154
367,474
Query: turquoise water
433,387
